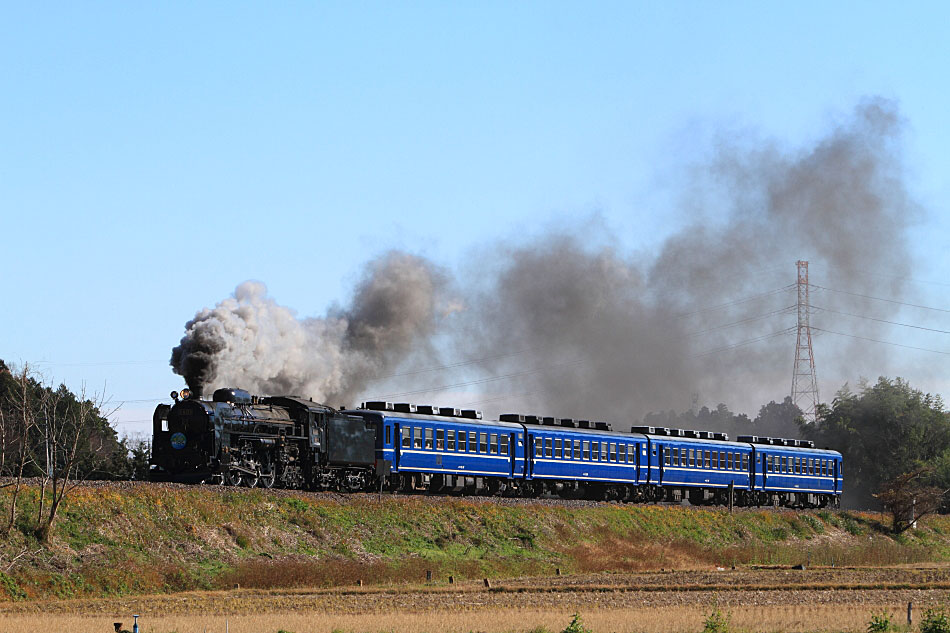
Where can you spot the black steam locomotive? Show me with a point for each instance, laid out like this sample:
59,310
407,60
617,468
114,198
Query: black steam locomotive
239,439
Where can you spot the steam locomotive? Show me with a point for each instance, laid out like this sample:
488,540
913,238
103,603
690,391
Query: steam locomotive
287,441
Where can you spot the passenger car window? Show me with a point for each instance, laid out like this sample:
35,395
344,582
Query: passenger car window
577,449
493,444
667,457
586,450
429,439
405,433
450,441
745,462
417,437
483,442
707,462
538,447
715,456
440,439
603,451
557,449
683,461
692,457
594,450
504,444
388,435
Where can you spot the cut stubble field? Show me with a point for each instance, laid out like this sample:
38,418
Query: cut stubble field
764,600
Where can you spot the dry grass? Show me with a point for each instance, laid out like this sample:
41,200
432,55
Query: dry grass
761,619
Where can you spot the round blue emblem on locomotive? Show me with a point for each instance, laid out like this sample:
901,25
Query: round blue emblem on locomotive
178,441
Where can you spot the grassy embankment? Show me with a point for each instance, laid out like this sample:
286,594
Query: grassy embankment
150,539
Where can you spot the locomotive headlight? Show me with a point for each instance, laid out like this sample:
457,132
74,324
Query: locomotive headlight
174,396
185,394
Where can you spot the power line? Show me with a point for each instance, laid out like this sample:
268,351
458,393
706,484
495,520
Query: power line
737,301
784,310
746,342
870,318
856,294
100,363
874,340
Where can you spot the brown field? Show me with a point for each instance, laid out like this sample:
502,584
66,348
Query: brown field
763,600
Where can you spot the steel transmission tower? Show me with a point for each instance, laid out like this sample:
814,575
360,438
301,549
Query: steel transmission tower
804,379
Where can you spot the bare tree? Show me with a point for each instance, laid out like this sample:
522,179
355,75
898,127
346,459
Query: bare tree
66,426
909,497
19,419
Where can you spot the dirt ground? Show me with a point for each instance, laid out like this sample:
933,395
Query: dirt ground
663,602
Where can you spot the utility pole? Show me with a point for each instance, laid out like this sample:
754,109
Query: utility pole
804,379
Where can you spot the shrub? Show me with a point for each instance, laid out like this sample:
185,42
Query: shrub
935,621
577,626
881,623
716,622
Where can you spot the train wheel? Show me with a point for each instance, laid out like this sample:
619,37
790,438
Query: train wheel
268,477
251,480
233,478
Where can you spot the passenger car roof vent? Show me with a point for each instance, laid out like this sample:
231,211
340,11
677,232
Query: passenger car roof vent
427,409
721,436
549,421
451,412
512,417
647,430
377,405
583,424
677,433
472,414
405,407
532,419
568,422
805,444
602,426
753,439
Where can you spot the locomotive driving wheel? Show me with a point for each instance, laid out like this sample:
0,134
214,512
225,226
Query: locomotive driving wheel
268,475
233,478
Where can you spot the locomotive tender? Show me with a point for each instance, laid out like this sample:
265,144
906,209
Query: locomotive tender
290,442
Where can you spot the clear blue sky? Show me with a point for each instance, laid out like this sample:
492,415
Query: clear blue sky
155,155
